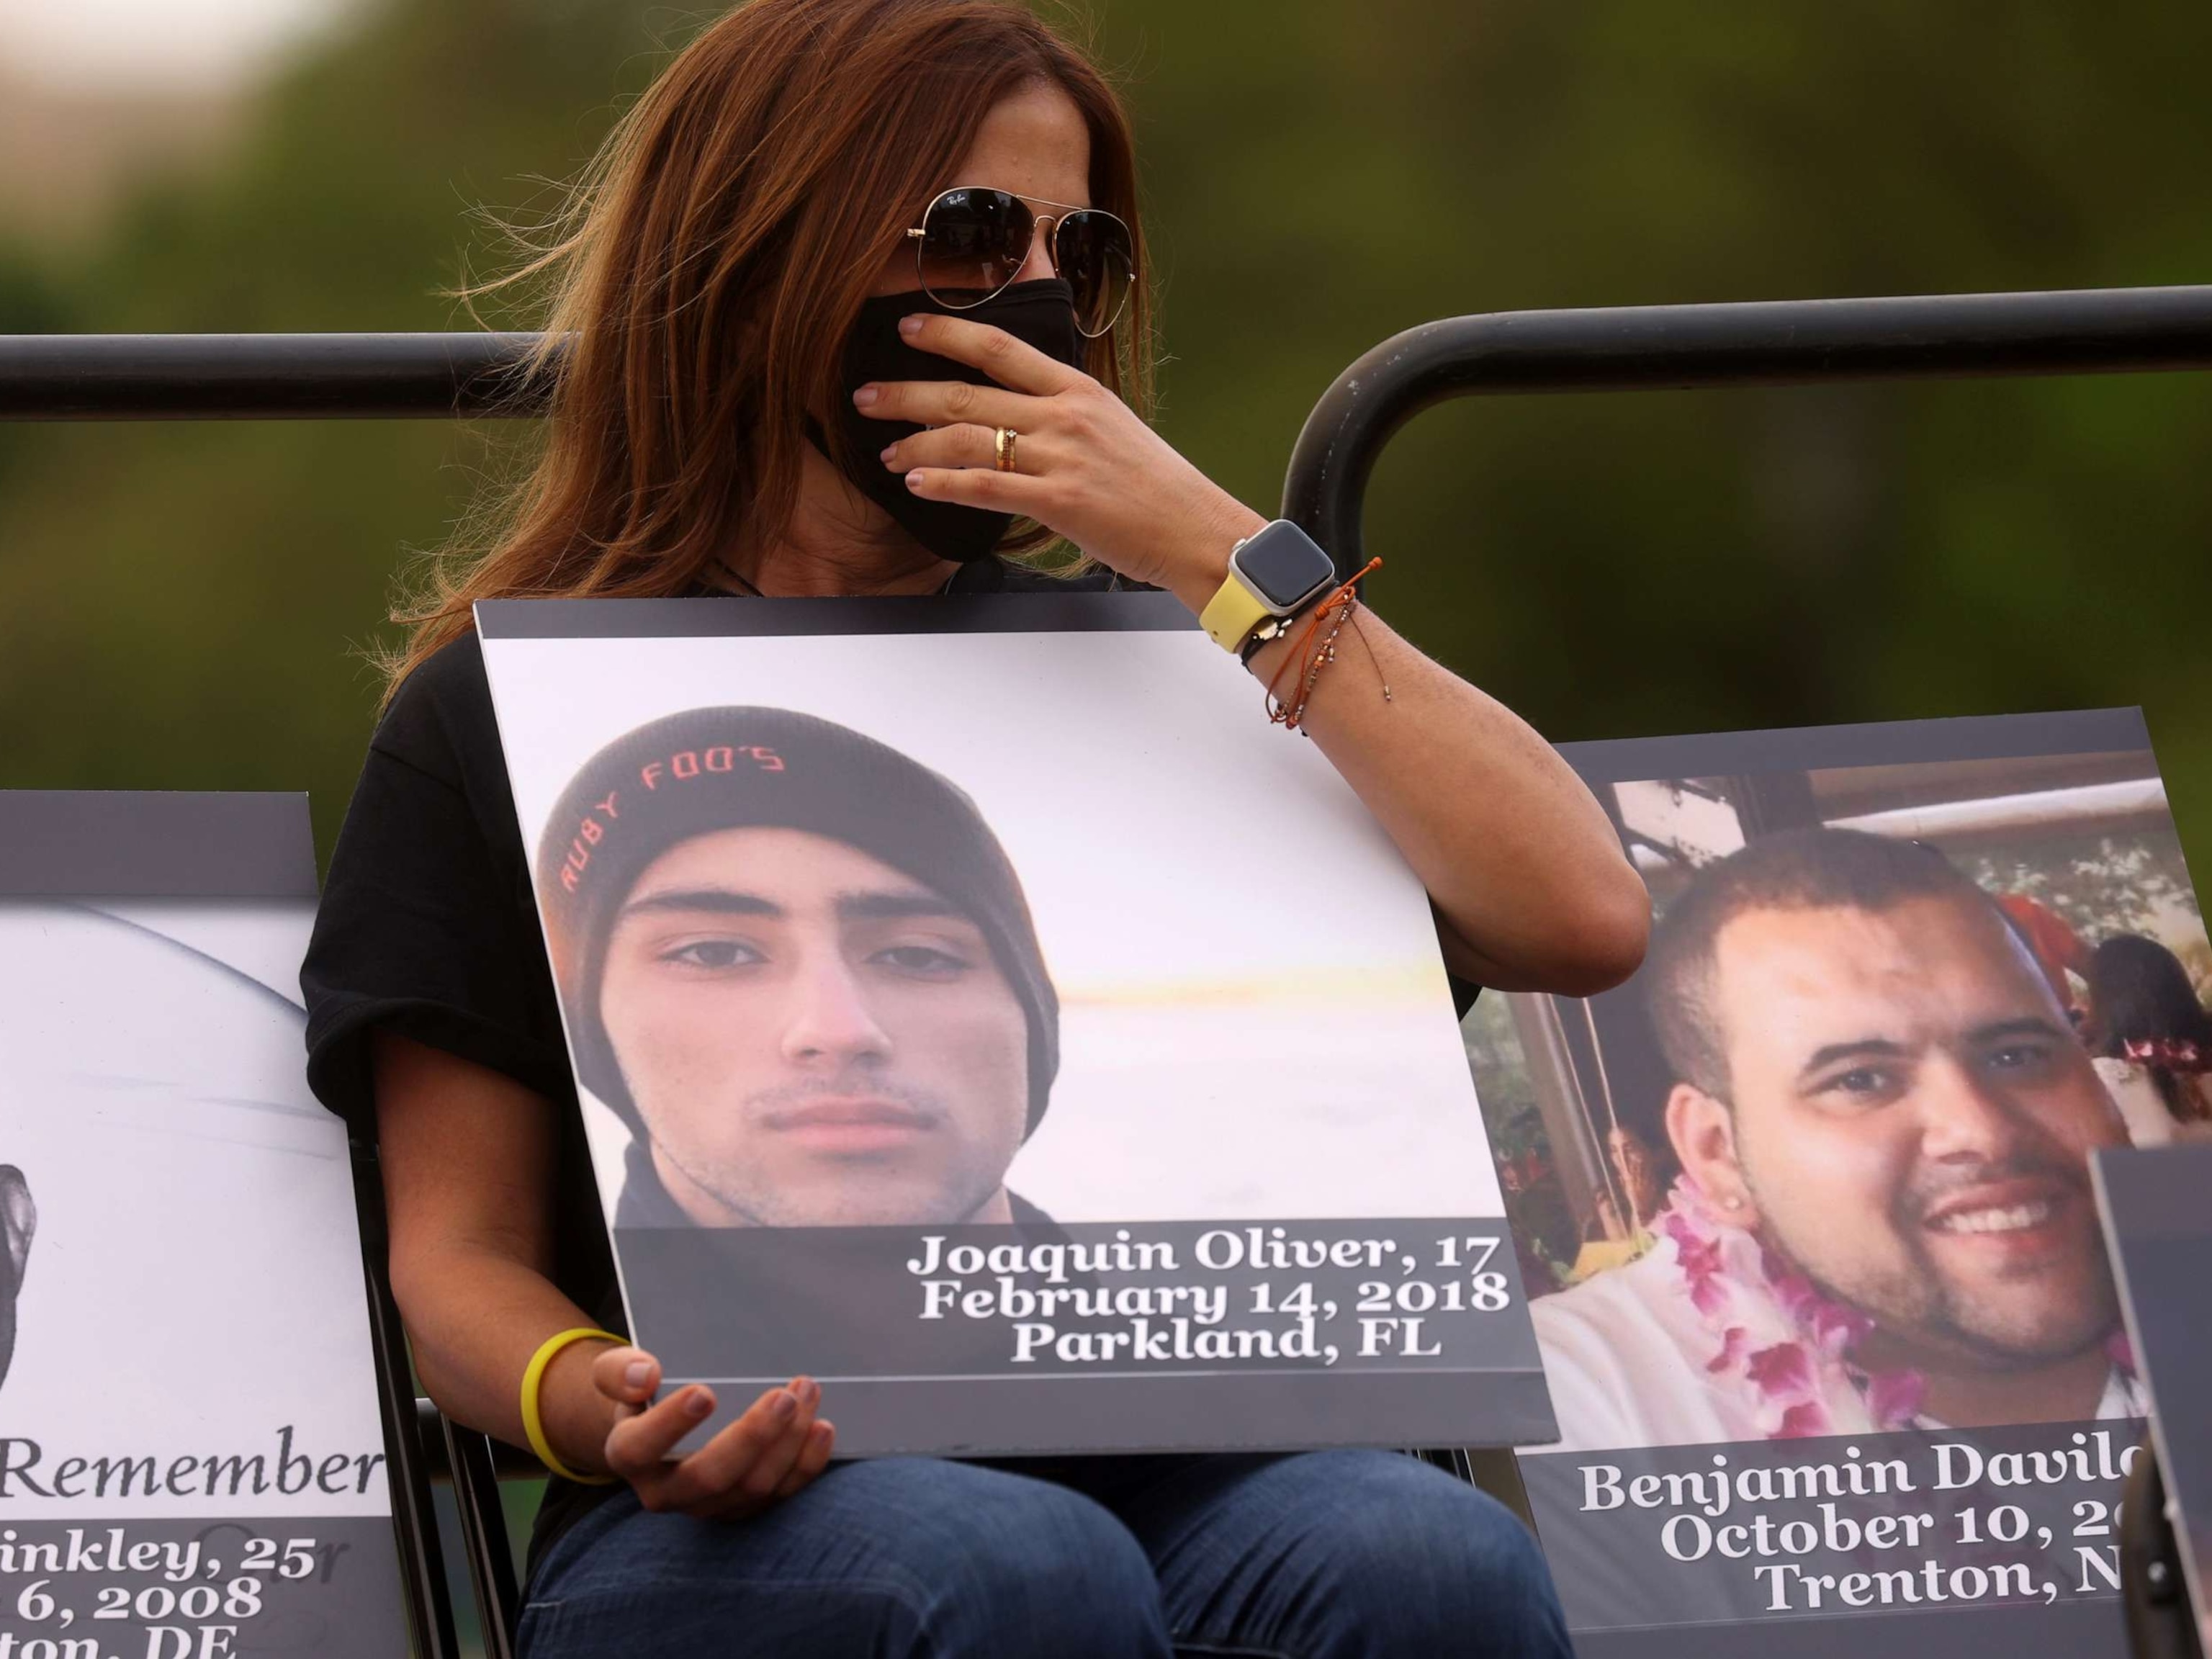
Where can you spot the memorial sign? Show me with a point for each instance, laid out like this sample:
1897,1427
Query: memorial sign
978,1006
191,1458
1805,1207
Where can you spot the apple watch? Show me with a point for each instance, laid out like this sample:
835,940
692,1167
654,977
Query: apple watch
1273,573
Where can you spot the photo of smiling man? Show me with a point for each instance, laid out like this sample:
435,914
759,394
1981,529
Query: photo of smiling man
1883,1219
800,967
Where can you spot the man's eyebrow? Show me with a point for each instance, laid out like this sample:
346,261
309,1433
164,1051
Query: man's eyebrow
717,901
1883,1048
866,905
894,905
2025,1025
1858,1048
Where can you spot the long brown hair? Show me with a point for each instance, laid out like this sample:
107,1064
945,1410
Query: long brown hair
705,271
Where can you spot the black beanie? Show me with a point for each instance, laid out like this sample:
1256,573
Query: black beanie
708,769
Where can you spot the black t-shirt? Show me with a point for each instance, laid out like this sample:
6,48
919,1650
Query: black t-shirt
428,928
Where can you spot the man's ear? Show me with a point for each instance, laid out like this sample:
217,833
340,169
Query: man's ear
19,1219
1702,1131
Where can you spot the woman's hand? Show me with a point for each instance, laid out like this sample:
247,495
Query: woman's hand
769,1453
1085,466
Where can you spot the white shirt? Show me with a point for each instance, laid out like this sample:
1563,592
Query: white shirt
1625,1354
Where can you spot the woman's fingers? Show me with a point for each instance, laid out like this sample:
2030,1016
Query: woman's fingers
739,1490
626,1376
638,1446
963,445
720,1472
813,1457
1013,363
946,402
1085,465
994,492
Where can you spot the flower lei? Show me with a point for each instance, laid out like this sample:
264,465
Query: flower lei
2173,1053
1783,1343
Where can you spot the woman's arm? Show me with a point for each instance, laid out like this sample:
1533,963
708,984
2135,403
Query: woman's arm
1524,868
468,1163
1527,875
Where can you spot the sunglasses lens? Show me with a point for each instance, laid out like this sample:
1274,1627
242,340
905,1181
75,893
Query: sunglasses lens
1092,249
973,241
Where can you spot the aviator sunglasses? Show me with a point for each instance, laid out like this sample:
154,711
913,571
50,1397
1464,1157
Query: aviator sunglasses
972,242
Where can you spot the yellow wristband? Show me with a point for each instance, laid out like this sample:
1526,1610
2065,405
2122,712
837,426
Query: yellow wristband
533,1375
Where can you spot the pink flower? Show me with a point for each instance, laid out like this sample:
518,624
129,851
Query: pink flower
2172,1054
1782,1369
1731,1354
1709,1296
1703,1268
1700,1257
1802,1422
1834,1328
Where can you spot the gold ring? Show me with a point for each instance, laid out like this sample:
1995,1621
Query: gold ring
1007,436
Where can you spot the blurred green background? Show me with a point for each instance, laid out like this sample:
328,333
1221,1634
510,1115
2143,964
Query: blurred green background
184,605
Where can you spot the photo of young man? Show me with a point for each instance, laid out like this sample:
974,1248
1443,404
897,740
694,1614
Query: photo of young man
801,968
19,1219
1884,1219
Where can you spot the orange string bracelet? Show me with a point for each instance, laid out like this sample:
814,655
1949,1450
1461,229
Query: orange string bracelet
1308,657
1347,590
1316,659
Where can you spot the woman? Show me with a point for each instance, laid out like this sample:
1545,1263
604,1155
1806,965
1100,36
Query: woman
2151,1037
826,215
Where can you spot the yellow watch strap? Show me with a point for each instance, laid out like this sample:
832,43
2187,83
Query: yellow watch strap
533,1376
1231,614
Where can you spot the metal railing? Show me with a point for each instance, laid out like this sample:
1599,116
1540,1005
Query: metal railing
261,377
404,376
136,377
1761,342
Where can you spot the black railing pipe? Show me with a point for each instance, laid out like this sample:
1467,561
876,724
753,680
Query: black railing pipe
260,377
1652,347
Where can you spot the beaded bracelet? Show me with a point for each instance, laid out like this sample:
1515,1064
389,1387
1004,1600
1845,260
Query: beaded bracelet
1310,658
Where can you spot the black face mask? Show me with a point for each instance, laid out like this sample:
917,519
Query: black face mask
1041,313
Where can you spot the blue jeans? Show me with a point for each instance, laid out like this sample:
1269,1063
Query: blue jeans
1316,1555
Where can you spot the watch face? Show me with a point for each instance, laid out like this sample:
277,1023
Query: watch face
1283,564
